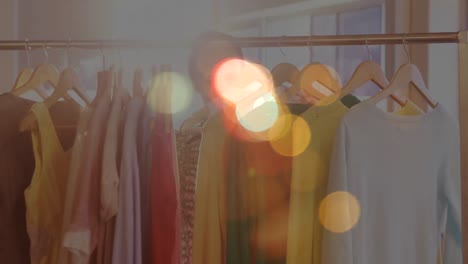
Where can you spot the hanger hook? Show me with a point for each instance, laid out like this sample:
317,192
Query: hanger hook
103,55
28,54
44,49
67,51
405,45
368,49
119,50
281,48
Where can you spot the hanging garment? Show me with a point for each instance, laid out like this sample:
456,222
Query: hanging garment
111,160
46,194
74,176
209,237
298,109
188,141
394,176
82,235
164,202
310,181
110,175
17,168
259,174
144,151
188,148
409,109
127,240
258,189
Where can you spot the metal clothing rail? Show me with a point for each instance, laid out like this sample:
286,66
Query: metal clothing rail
461,38
281,41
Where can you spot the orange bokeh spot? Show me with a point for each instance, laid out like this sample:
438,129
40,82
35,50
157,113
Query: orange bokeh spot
339,212
290,136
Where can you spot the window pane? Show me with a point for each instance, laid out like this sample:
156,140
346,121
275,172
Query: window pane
324,25
290,26
367,21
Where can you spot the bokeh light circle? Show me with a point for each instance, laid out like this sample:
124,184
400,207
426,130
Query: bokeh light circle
339,212
259,115
290,136
170,93
235,80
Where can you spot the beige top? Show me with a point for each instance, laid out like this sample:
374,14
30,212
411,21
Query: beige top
74,174
110,174
46,194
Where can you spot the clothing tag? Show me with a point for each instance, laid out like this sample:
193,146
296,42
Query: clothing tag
321,88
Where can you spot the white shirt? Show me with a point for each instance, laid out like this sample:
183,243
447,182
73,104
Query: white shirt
404,172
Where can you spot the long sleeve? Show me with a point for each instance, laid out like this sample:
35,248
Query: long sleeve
110,174
127,240
210,199
335,209
451,194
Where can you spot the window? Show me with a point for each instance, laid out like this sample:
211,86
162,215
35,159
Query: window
344,59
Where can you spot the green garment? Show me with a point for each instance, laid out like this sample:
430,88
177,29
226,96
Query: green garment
298,109
247,194
246,197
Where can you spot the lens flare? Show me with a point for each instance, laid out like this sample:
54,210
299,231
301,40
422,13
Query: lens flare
235,80
290,136
259,115
339,212
170,93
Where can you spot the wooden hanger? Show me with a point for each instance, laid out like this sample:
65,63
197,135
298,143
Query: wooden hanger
68,81
368,71
25,75
284,72
44,73
22,78
407,75
312,74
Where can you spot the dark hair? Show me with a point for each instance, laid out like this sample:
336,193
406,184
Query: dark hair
201,41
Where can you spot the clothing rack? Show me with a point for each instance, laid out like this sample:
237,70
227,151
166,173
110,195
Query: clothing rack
281,41
461,38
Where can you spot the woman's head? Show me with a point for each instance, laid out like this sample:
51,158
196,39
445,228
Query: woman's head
209,50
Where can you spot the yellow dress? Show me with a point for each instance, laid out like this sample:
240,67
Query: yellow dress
46,194
209,238
310,178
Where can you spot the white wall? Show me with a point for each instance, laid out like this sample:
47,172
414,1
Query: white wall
7,31
443,59
175,21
